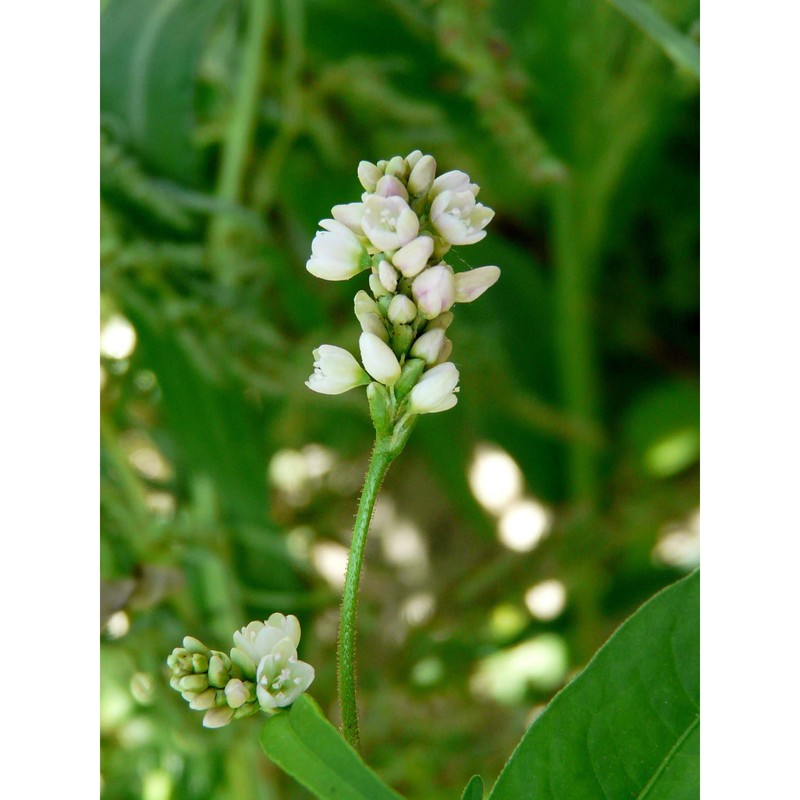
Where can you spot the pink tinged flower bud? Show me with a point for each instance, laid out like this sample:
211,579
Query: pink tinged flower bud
453,181
421,178
401,310
379,360
389,186
218,717
349,215
435,391
369,175
335,371
458,219
413,157
472,284
429,346
434,290
413,257
235,693
388,222
387,275
336,253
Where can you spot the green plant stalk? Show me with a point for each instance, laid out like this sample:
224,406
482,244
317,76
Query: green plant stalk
387,448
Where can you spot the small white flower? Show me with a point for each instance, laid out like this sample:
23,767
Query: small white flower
434,290
335,371
379,360
387,275
369,175
421,178
235,693
458,218
388,222
349,215
401,310
453,181
281,678
435,390
429,346
258,638
472,284
389,186
336,253
412,258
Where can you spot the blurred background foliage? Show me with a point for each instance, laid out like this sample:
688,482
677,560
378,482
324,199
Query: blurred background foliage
518,529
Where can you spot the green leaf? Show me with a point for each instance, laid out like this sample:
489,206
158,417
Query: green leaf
148,65
679,48
628,725
474,789
306,746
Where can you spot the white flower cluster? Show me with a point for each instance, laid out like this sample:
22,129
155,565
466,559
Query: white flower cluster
405,224
262,672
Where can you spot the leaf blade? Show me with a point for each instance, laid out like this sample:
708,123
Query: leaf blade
627,725
306,746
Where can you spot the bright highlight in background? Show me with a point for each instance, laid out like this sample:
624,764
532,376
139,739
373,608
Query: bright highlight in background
117,338
546,600
495,479
524,525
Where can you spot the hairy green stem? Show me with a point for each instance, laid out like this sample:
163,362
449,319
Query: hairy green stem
382,457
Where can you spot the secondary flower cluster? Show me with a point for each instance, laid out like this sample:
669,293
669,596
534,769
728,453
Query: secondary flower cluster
405,224
261,672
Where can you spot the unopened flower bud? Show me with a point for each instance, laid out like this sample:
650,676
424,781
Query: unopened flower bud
435,390
376,287
421,178
246,710
401,309
389,186
388,276
412,258
244,662
429,346
199,663
413,157
434,290
235,693
204,700
397,166
193,683
369,175
379,360
218,717
369,315
444,353
218,673
403,336
195,645
472,284
443,321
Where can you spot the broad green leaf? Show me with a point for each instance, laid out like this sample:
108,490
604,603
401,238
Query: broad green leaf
474,789
148,65
679,48
628,725
306,746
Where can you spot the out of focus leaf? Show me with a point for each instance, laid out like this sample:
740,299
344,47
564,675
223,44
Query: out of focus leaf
629,724
678,47
148,64
304,744
474,789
